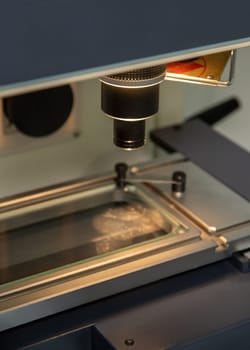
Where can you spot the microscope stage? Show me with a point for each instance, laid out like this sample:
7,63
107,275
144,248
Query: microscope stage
84,245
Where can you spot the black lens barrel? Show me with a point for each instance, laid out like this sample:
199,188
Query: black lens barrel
129,135
133,106
129,103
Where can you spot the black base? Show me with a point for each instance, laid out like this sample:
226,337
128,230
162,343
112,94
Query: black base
206,309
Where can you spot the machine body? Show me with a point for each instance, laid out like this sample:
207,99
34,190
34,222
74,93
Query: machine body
165,234
130,98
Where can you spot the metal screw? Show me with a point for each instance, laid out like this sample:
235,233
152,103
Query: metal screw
210,76
129,342
133,170
181,231
76,133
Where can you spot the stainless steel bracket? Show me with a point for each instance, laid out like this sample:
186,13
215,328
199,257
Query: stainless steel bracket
208,80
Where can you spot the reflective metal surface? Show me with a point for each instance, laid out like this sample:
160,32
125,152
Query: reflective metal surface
76,237
212,203
77,229
209,80
80,243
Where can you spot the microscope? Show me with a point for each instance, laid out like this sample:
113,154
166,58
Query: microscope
143,253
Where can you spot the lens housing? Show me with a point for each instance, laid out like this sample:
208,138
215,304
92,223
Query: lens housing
130,98
129,135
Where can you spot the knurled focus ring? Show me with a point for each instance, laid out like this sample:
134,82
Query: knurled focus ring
137,78
141,74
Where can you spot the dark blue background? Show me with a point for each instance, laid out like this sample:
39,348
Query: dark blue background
43,38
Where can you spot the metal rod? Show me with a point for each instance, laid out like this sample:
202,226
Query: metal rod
153,181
